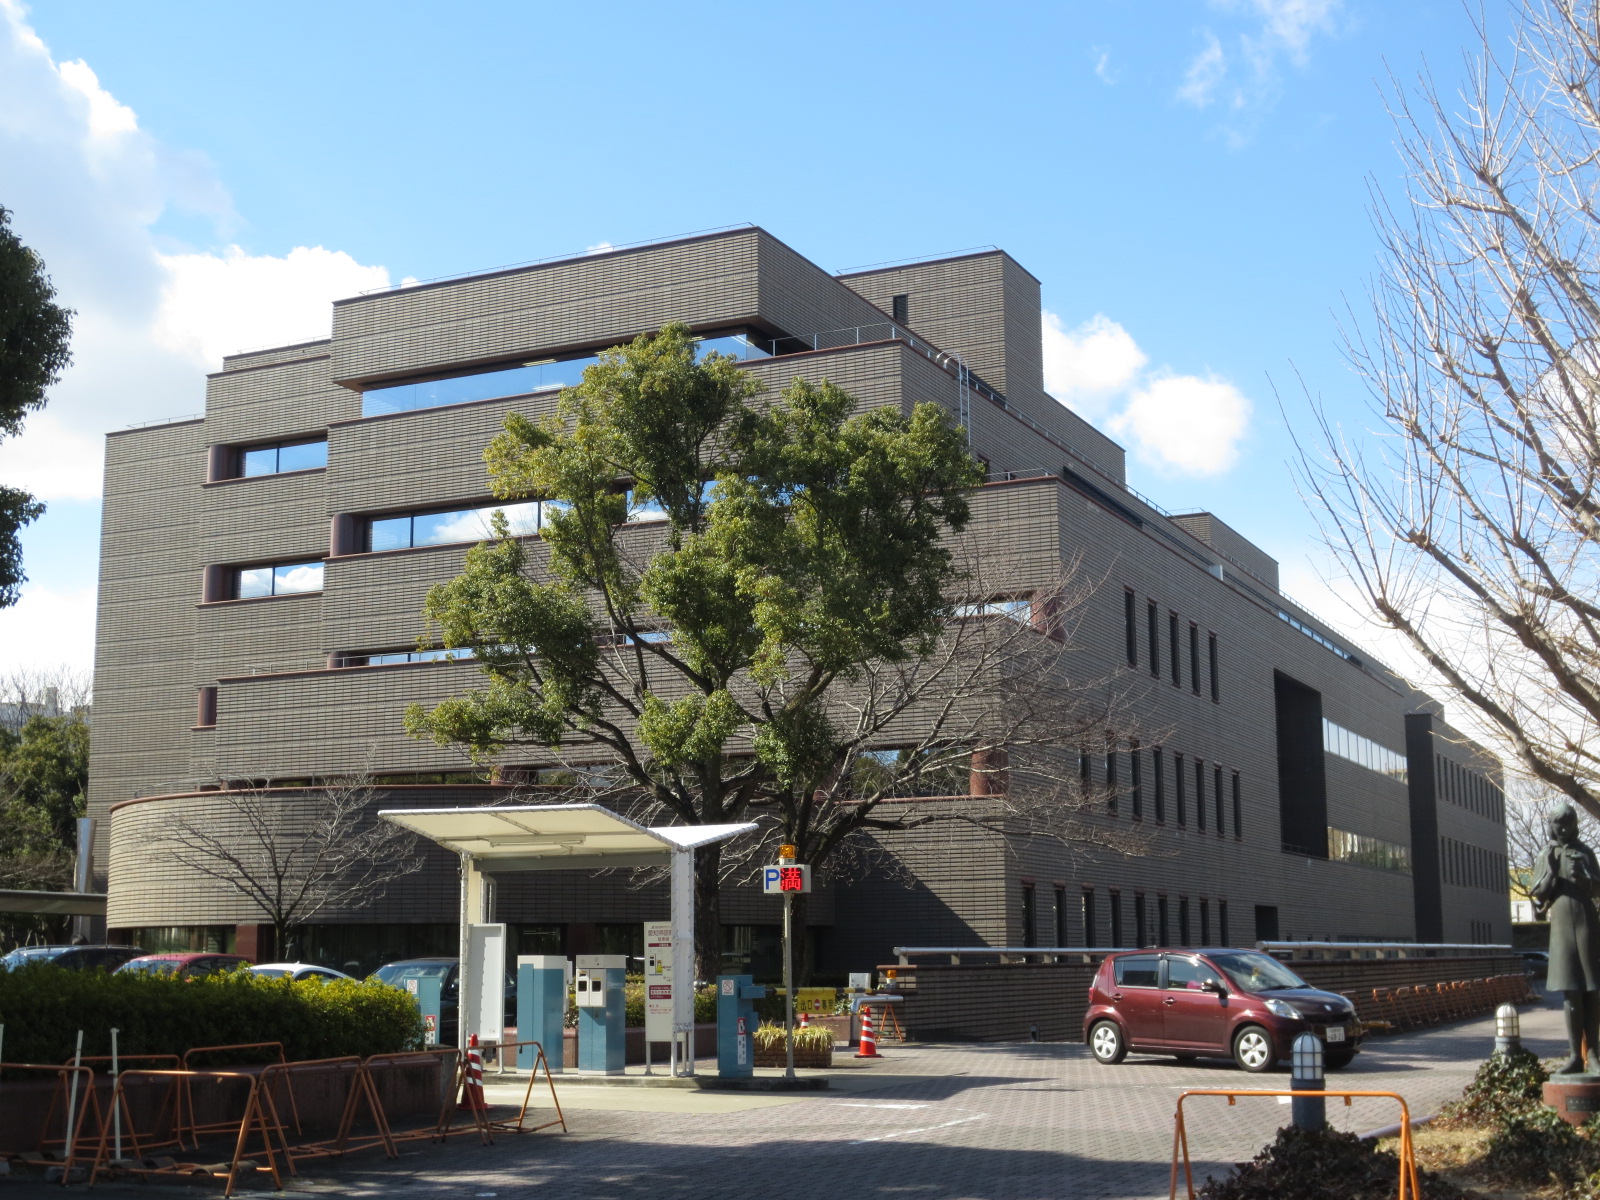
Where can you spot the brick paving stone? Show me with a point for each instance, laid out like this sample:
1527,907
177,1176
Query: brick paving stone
931,1122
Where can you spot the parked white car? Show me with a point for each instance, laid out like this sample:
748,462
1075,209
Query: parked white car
296,970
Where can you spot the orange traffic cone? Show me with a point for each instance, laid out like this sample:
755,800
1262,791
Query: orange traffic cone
869,1043
805,1020
472,1087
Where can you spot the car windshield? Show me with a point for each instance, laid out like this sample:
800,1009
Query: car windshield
396,973
1257,972
29,954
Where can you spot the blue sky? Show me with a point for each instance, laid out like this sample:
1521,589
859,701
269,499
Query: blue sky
1188,178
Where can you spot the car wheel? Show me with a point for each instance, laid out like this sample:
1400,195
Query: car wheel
1253,1049
1107,1043
1338,1060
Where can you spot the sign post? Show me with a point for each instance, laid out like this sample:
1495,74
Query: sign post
787,878
657,986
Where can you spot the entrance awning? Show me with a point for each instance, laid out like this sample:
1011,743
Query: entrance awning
555,837
66,904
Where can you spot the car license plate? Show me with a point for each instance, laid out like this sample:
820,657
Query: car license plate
1335,1034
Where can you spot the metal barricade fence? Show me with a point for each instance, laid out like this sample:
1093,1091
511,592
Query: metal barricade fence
375,1064
539,1060
74,1094
358,1088
272,1052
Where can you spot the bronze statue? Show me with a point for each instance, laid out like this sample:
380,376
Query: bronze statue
1567,883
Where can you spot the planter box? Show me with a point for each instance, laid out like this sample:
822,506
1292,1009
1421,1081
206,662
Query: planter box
806,1056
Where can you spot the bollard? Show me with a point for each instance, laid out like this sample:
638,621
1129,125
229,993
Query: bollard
1507,1030
1309,1112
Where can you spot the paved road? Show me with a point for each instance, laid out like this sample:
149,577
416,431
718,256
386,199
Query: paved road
937,1122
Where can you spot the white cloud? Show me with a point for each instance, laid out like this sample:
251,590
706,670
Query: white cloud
1245,73
1102,66
1185,424
49,629
1179,424
1088,365
598,248
86,186
1205,72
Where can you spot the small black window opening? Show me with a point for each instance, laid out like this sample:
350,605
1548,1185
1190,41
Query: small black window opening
1030,917
206,708
1136,780
1141,927
1194,658
1158,779
1061,915
1153,628
1180,787
1111,779
1176,664
1161,920
1216,686
1085,771
1091,929
1205,922
1130,628
1222,923
1216,796
900,307
1238,811
1183,920
1200,794
1116,918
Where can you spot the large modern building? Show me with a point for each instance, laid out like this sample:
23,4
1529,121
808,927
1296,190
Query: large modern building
264,565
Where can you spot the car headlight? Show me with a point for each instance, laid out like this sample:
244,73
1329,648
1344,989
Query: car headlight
1281,1008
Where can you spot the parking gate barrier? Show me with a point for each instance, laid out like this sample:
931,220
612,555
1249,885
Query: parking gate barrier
539,1060
75,1094
1180,1134
254,1120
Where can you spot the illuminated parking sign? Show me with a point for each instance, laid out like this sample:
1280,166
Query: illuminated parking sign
791,877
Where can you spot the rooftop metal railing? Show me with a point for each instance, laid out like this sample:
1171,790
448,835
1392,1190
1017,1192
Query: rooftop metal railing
1293,951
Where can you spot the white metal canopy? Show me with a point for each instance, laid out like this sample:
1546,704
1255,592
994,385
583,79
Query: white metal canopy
565,837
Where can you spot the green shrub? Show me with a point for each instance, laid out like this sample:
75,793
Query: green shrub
1323,1163
1537,1148
1506,1084
43,1007
813,1037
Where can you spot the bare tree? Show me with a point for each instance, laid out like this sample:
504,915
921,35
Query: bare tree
1528,805
1472,525
293,863
28,692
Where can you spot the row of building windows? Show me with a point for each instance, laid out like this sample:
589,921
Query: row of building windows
520,380
1152,921
1367,851
1365,752
1465,787
1215,790
1465,865
1182,644
1482,933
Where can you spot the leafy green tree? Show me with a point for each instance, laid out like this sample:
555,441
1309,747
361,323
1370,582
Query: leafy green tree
46,771
786,549
34,336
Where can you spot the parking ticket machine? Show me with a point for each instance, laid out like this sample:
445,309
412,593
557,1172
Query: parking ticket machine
736,1022
602,1013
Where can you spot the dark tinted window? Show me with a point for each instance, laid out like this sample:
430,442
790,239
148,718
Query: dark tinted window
1139,970
1188,973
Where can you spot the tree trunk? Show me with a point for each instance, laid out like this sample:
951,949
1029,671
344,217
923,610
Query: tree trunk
707,913
804,950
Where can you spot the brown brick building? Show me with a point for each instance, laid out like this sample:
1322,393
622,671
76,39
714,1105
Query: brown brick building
263,568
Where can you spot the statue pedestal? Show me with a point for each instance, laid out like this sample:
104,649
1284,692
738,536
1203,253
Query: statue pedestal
1575,1098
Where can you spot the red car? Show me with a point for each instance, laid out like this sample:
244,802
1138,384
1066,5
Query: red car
1213,1004
185,966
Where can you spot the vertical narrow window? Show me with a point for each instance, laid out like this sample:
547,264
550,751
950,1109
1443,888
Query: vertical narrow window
1161,920
1175,662
1179,788
206,708
1205,922
1194,657
1216,796
1216,686
1141,927
1130,628
1158,780
1135,781
1111,779
1116,918
1200,795
1183,920
1091,930
1030,916
1085,771
900,307
1153,631
1061,915
1238,810
1222,923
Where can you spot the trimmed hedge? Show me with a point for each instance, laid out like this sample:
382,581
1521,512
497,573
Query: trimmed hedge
43,1007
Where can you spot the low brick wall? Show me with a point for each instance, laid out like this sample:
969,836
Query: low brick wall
1000,1002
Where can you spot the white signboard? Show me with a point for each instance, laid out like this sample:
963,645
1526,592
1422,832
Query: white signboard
860,981
658,981
483,984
